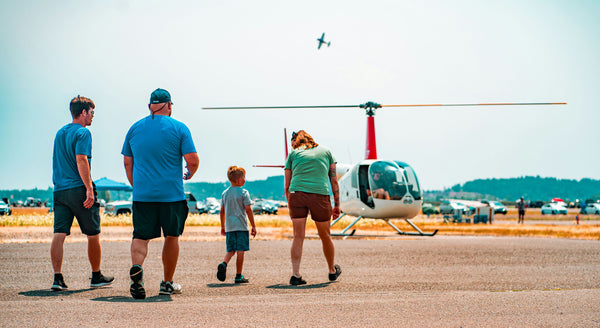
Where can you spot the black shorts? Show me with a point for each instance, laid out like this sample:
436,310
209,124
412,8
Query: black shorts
301,203
150,217
68,204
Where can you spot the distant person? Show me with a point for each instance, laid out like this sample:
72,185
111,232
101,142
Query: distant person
153,151
521,208
236,209
75,193
309,169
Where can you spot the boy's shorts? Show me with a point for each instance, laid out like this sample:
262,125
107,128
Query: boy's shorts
150,217
301,203
237,241
68,204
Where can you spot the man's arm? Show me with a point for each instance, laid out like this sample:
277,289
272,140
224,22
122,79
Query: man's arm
192,162
83,166
335,189
128,162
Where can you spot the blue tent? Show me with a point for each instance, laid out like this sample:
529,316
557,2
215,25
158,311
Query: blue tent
108,184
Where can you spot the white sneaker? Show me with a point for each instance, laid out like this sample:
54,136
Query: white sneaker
169,287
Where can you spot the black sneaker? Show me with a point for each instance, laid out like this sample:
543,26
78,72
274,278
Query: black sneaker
101,281
58,285
222,271
338,272
136,273
295,281
241,280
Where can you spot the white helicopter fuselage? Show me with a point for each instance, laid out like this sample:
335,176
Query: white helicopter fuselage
398,194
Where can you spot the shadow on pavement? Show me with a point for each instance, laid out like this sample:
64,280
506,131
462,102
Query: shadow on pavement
310,286
51,293
128,299
223,285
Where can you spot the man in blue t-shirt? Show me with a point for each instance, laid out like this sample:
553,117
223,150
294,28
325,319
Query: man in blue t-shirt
153,151
74,192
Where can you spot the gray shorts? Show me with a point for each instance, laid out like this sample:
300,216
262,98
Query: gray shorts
68,204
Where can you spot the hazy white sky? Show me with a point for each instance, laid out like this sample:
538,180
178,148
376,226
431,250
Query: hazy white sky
264,53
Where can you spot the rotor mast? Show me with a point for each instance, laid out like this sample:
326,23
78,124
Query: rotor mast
371,147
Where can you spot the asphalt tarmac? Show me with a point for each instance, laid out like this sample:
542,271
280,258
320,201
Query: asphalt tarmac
397,282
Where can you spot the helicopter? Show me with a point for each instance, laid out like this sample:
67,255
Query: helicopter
378,188
322,41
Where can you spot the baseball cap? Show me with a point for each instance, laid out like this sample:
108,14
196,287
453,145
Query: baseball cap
160,96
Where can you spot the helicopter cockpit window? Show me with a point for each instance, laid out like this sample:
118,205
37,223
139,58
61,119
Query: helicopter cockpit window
386,180
413,183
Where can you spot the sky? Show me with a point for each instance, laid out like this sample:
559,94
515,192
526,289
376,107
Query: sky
264,53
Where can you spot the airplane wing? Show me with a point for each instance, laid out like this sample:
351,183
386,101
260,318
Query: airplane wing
320,43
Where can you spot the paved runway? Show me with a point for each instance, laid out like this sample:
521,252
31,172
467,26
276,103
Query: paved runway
413,282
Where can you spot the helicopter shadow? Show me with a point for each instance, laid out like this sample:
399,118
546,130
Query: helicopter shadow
307,286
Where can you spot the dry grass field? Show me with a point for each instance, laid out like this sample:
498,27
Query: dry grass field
18,225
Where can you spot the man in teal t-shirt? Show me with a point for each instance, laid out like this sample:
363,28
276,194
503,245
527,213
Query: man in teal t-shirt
74,192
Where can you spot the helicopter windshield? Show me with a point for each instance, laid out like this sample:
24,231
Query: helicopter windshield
413,183
386,180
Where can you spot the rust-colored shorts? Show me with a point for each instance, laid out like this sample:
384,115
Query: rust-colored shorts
301,203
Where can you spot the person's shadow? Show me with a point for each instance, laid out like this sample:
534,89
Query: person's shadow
129,299
51,293
307,286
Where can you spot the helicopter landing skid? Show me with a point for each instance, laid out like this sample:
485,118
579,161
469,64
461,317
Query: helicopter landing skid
398,231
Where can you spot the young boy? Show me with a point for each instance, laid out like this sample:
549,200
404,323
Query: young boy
235,207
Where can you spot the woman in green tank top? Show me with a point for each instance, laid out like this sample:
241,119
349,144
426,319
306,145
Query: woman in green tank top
309,170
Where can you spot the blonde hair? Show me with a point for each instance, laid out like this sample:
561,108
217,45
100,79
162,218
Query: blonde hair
302,138
234,173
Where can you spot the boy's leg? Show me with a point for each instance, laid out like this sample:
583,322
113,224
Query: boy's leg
170,255
94,252
228,257
57,251
239,262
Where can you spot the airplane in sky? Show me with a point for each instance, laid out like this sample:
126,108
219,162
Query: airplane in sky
322,40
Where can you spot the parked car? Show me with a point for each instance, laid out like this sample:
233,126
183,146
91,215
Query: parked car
429,209
496,205
263,206
118,207
124,206
449,207
553,208
213,205
593,208
4,208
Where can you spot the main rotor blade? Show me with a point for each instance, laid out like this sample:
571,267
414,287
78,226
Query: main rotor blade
284,107
481,104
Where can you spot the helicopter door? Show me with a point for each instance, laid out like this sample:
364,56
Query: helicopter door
363,186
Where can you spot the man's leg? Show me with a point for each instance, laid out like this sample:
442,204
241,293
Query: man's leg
94,252
328,248
139,251
57,251
170,255
296,251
